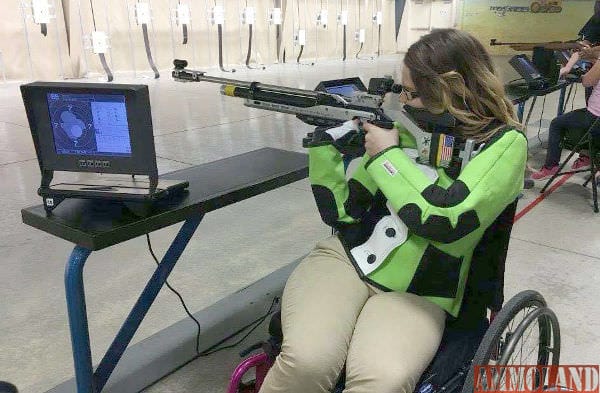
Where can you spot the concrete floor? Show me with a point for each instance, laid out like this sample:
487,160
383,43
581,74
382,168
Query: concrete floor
555,247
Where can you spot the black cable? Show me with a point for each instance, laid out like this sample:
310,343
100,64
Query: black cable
359,49
300,54
101,56
93,16
301,46
149,51
215,348
184,30
378,40
541,115
573,99
249,45
220,37
257,322
344,45
187,311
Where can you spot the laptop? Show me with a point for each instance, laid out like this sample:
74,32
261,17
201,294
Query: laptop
97,128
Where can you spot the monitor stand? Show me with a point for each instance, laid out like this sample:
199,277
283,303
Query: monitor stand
135,191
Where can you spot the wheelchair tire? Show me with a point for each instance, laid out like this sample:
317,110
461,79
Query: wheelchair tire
548,330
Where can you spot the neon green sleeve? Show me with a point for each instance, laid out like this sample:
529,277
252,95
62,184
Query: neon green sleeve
339,200
491,181
407,140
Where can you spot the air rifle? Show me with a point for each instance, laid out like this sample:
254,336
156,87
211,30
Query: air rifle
320,108
527,46
312,107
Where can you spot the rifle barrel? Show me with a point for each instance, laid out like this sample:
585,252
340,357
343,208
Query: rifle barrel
197,76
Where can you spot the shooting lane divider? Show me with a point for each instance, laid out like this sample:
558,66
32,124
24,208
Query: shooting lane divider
96,44
142,10
540,198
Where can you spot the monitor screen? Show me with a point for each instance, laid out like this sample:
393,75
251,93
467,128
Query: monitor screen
528,67
565,56
348,90
89,124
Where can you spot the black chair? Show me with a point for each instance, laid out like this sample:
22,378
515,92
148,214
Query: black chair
6,387
576,141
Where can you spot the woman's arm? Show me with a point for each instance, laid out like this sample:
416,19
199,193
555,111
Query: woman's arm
569,66
491,181
592,77
340,201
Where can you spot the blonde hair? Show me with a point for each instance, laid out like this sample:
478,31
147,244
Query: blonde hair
453,72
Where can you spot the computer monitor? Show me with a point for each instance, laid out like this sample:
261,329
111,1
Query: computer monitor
347,87
528,71
91,127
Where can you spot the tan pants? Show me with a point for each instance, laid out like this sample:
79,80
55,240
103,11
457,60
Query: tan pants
331,317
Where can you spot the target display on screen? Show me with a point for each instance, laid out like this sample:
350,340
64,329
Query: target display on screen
89,124
348,90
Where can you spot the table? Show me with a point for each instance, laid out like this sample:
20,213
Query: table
94,225
519,94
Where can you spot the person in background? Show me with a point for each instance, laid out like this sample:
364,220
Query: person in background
590,32
589,36
577,121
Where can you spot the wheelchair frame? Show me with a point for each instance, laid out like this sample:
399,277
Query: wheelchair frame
494,347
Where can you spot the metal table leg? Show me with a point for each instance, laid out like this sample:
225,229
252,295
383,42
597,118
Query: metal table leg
87,381
520,111
561,101
530,111
80,338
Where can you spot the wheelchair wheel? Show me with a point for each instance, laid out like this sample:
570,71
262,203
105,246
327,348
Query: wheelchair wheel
525,332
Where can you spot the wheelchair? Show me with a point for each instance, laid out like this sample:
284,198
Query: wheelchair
524,331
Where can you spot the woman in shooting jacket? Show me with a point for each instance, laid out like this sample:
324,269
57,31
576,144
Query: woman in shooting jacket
376,296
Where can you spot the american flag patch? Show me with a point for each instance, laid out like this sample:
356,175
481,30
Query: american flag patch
444,152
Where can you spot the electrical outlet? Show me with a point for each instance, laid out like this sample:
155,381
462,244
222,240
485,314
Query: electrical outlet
218,15
99,42
360,36
378,18
322,18
300,37
342,18
41,11
142,13
275,16
183,14
248,16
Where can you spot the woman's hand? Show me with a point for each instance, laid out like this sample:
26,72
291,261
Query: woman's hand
378,139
